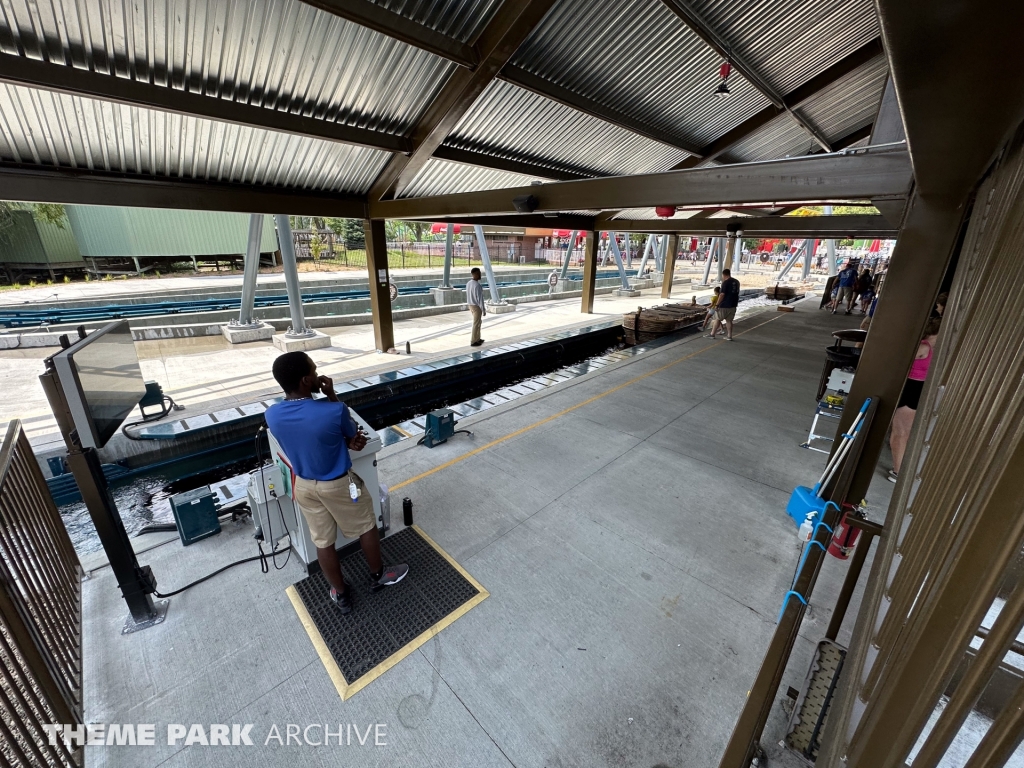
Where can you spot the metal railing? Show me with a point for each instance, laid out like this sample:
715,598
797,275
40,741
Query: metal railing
40,615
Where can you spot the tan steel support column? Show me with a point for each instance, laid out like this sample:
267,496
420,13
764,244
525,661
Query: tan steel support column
589,271
918,264
670,266
380,299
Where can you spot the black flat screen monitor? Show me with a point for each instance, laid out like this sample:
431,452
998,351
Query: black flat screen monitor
102,382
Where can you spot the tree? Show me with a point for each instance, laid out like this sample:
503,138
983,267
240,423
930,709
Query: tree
50,213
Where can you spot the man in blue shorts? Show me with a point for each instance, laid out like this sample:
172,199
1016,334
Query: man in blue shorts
317,434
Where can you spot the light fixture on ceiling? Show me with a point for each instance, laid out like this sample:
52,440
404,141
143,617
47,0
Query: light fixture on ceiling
723,83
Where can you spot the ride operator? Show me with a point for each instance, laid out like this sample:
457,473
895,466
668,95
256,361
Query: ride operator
317,434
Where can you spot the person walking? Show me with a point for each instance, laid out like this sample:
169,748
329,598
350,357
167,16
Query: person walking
865,290
317,435
847,288
475,300
906,408
725,310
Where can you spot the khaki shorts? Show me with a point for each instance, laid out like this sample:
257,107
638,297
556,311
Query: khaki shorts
845,293
726,314
328,508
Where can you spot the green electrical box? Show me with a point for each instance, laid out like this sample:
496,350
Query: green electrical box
195,514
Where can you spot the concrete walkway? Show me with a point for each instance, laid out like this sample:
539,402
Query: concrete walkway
630,528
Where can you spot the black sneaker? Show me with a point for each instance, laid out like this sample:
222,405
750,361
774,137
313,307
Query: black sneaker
342,600
392,574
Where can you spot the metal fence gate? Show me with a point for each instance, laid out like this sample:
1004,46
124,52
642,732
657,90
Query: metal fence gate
40,615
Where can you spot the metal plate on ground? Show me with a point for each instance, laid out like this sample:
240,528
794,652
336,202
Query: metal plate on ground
810,713
384,626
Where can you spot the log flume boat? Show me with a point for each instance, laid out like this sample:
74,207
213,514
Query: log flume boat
664,319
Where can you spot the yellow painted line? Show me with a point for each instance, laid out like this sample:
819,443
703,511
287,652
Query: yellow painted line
347,690
570,409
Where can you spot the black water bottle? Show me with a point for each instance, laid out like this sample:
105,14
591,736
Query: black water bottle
407,511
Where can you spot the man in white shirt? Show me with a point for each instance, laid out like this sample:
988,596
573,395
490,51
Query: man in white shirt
475,300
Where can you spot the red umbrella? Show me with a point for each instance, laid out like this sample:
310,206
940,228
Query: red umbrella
439,227
875,246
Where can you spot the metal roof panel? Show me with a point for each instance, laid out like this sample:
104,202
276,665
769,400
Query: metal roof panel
461,19
56,130
790,41
279,54
512,122
637,57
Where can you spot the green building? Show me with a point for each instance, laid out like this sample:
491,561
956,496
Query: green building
32,245
105,238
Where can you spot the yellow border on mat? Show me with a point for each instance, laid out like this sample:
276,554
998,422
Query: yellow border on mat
345,689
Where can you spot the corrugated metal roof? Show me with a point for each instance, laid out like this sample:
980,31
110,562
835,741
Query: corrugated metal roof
443,176
851,102
104,231
782,137
848,104
461,19
638,57
512,122
790,41
279,54
54,130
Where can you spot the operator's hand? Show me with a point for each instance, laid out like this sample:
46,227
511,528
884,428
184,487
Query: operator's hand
358,442
327,387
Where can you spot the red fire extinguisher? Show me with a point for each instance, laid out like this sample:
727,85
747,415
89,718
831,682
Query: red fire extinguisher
845,537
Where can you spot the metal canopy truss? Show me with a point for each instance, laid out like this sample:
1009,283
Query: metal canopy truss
822,177
808,90
531,82
101,66
95,188
504,33
380,19
712,37
820,227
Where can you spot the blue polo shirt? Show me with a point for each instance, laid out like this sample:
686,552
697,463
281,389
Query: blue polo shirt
848,277
314,434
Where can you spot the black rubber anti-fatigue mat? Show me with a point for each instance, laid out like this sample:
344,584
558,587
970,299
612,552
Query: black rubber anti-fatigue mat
386,625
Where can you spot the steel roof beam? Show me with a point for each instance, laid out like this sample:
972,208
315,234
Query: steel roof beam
712,37
18,70
526,167
380,19
527,221
813,177
505,32
811,88
858,225
547,89
96,188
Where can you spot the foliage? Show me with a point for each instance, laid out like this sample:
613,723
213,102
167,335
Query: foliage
50,213
316,246
837,210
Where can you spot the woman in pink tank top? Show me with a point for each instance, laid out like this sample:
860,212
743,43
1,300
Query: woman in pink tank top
906,409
